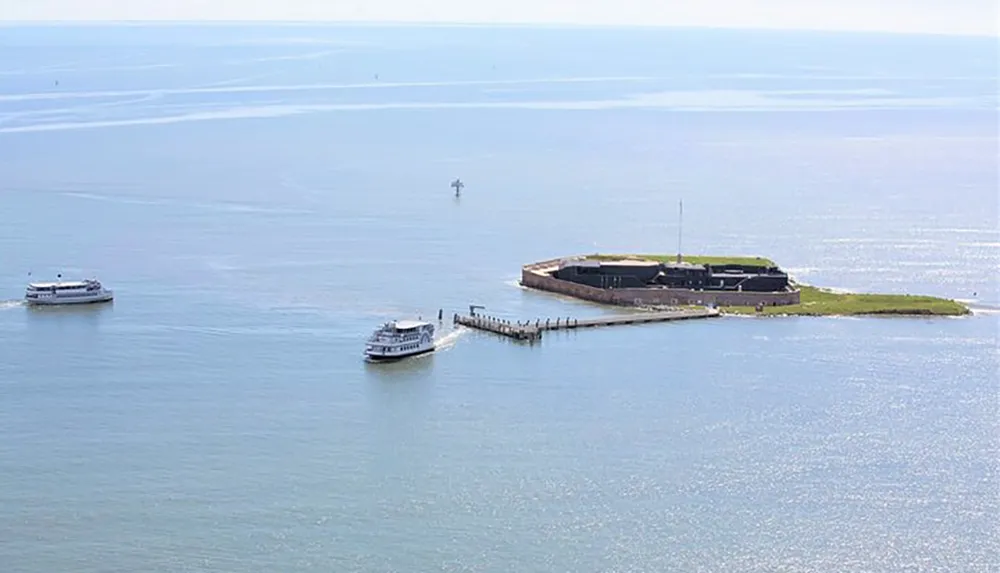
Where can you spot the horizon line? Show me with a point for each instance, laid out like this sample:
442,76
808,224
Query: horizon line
474,24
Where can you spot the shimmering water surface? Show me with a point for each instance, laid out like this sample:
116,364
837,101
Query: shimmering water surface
261,198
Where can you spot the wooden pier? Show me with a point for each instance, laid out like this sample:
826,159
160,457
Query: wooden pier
515,330
532,330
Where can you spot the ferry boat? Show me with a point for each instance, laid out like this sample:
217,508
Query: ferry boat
400,339
68,292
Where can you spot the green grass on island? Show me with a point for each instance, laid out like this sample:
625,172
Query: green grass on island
817,301
693,259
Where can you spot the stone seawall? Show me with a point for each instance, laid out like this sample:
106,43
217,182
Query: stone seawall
536,275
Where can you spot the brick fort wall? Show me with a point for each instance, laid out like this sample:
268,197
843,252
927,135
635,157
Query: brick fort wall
536,276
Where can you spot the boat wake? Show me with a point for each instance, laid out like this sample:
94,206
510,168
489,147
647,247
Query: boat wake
447,341
8,304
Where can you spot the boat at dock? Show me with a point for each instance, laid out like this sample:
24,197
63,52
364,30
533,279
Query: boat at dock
400,339
87,291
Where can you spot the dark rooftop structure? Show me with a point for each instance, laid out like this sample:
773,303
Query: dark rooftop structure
653,274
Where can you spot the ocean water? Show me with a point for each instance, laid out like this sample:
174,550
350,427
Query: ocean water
262,197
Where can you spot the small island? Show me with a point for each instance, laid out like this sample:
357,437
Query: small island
736,285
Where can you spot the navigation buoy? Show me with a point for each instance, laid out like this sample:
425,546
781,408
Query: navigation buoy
457,185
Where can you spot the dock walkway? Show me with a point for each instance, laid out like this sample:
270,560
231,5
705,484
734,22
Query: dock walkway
532,330
515,330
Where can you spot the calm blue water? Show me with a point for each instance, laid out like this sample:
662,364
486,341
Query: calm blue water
260,201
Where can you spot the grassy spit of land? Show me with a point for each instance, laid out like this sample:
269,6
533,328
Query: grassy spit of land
817,301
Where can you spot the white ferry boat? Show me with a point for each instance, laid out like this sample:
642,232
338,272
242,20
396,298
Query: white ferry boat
68,292
399,339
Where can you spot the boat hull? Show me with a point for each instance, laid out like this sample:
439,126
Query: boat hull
395,357
106,296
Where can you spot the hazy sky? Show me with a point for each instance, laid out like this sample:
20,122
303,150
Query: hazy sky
977,17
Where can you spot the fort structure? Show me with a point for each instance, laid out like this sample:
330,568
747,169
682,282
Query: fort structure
636,281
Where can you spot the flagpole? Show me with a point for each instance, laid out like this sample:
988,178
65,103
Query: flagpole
680,228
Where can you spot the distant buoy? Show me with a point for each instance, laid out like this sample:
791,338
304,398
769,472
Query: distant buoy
458,185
